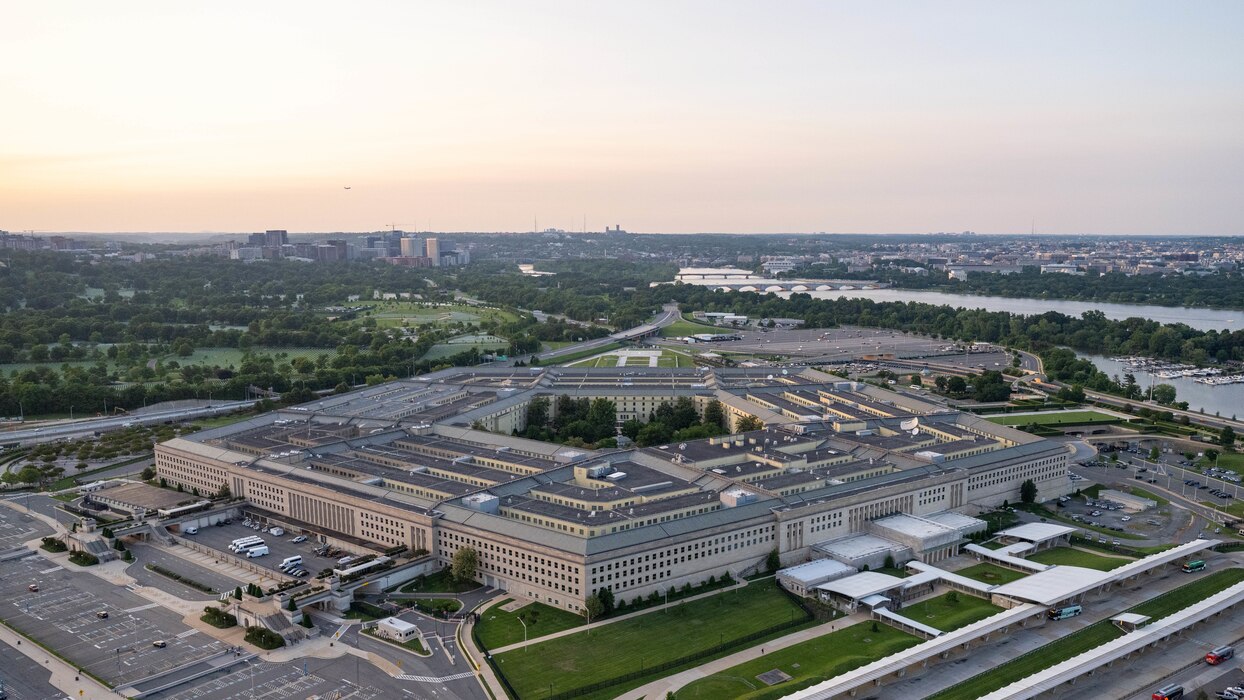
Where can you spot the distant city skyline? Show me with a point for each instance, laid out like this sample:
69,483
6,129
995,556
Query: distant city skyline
674,117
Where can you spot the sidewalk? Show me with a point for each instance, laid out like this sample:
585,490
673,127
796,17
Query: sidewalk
672,684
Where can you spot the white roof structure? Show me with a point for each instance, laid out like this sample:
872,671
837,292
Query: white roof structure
1038,532
1004,555
865,675
1130,618
397,625
857,546
958,521
817,571
1172,555
1077,666
1054,584
863,585
949,577
915,526
899,618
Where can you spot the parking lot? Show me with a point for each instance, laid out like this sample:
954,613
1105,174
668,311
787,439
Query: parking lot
279,547
65,614
25,679
16,528
323,678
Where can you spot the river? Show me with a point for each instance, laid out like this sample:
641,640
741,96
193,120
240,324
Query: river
1201,319
1228,399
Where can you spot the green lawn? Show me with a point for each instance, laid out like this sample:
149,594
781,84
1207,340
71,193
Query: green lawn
574,356
441,351
1076,557
1226,460
1089,637
807,663
684,327
219,421
439,582
948,616
644,641
498,628
1056,418
1203,586
990,573
1137,491
1036,660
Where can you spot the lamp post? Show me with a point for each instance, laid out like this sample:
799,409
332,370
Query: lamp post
524,624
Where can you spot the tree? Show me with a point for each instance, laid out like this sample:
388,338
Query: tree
224,491
538,412
1154,453
1226,438
714,414
748,423
148,474
465,562
1211,455
1164,394
940,382
593,608
606,599
956,385
774,561
1028,491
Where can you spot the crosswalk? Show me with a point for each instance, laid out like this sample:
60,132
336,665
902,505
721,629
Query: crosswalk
434,679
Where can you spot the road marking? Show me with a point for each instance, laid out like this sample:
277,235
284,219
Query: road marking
142,607
433,679
51,570
187,633
340,631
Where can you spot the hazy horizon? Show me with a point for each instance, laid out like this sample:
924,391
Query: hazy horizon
672,117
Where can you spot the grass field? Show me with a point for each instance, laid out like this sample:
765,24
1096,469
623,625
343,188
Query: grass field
1087,638
1076,557
219,421
636,643
1226,460
807,663
684,327
572,357
498,628
1056,418
443,350
990,573
392,314
224,357
667,358
947,616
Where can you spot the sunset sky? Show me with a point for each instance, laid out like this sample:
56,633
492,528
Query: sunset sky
1091,117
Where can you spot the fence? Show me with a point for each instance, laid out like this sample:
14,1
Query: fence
811,612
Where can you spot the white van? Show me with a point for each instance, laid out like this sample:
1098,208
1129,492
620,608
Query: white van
277,531
249,546
190,530
241,544
258,551
290,562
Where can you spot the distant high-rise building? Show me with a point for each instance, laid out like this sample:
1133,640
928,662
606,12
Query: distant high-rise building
276,237
412,247
434,251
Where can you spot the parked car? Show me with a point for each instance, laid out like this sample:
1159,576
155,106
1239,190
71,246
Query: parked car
33,588
298,539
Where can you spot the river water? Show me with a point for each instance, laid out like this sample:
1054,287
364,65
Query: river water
1227,400
1201,319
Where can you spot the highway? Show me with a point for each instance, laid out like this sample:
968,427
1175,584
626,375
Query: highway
88,426
669,314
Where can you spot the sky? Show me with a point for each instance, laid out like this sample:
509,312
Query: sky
670,116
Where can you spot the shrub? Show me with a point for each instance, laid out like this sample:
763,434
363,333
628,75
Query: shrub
51,544
83,558
218,618
264,638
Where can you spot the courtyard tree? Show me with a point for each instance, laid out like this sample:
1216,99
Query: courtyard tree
465,562
1028,491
